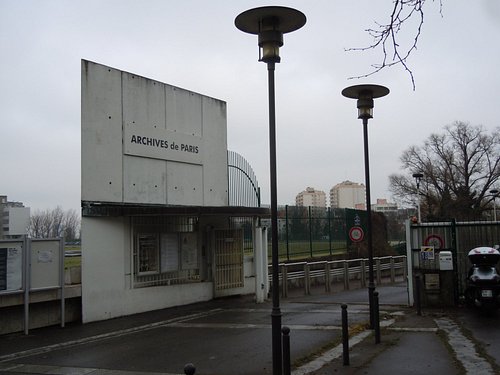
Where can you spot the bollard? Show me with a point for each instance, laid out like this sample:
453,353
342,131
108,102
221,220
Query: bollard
286,350
189,369
345,335
417,296
376,317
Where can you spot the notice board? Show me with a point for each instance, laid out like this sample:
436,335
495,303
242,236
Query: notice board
11,266
46,263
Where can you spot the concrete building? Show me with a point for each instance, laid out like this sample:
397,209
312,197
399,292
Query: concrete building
383,205
5,217
157,228
348,194
311,197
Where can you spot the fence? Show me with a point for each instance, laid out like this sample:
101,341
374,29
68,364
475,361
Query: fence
307,274
458,237
309,232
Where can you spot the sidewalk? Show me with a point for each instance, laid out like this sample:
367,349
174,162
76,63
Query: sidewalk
410,345
232,336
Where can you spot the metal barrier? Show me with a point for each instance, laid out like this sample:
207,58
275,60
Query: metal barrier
329,272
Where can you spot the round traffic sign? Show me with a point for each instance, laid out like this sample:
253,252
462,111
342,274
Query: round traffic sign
356,234
434,240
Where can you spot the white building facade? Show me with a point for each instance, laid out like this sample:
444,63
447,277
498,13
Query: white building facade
12,216
348,194
383,205
311,197
156,226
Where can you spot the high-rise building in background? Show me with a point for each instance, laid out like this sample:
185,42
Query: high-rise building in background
383,205
311,197
348,194
5,206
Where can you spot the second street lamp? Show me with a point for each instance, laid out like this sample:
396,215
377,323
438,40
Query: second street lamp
270,23
495,195
365,95
418,177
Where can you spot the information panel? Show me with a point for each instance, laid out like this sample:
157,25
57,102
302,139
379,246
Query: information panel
189,251
169,252
11,266
45,263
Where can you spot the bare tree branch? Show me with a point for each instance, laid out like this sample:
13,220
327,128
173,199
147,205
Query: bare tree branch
385,37
459,168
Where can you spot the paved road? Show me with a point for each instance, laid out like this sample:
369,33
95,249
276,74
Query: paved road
232,336
233,331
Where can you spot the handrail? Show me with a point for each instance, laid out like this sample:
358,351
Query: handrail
386,267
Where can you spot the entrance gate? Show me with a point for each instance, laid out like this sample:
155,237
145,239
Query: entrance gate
228,260
457,237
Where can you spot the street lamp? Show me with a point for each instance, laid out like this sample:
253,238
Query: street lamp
270,23
418,177
495,195
365,95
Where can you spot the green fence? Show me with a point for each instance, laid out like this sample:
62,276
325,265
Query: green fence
313,232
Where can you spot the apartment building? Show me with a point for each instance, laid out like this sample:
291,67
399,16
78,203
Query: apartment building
348,194
5,206
383,205
311,197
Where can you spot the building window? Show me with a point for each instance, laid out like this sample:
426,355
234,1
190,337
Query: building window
165,251
147,254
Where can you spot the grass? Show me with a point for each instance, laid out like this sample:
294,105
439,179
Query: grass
72,262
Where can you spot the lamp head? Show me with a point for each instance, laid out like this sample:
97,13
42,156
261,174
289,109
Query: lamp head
418,177
365,95
270,23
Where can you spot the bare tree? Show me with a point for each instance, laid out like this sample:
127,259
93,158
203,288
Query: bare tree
459,166
386,36
71,224
53,223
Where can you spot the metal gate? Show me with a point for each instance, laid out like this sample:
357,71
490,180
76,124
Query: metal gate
457,237
228,260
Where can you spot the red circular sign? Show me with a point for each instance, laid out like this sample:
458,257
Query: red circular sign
434,240
356,234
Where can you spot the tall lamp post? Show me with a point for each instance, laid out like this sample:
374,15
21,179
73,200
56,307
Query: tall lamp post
418,177
270,23
495,195
365,95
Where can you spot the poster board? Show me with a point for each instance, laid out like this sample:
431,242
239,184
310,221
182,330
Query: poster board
46,258
11,266
189,250
169,252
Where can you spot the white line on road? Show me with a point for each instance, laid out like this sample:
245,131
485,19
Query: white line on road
336,352
104,336
464,349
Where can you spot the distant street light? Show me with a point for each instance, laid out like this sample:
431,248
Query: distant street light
365,95
270,23
418,177
495,195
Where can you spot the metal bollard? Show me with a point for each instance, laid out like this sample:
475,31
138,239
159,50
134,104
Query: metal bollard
376,317
286,350
417,295
189,369
345,335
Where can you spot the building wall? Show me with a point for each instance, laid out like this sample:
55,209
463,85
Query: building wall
348,194
5,206
107,273
383,205
311,197
147,142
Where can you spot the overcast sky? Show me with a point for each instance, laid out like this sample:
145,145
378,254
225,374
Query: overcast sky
194,44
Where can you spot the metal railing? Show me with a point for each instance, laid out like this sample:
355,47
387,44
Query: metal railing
306,274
